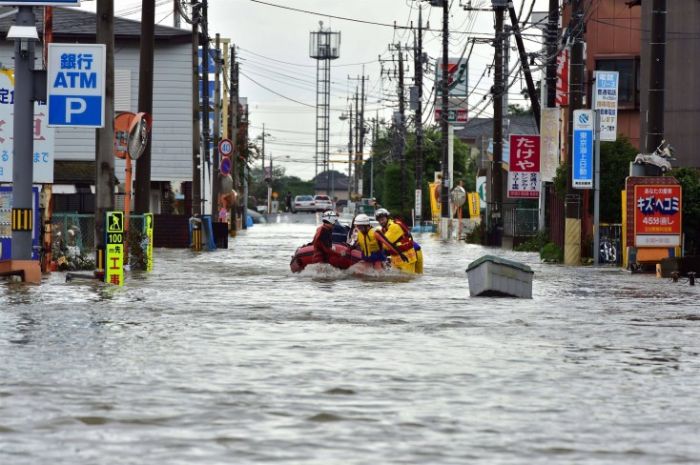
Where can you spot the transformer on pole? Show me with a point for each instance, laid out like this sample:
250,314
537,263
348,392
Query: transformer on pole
324,46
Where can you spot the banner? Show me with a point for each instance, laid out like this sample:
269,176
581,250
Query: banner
605,95
549,139
474,205
583,150
562,96
435,204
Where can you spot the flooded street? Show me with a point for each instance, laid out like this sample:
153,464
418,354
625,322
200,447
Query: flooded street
227,357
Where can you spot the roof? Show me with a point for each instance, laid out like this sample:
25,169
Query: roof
479,128
338,180
80,24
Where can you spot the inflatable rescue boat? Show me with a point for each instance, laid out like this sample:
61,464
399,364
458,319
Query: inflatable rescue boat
344,257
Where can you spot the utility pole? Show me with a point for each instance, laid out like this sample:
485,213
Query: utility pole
350,155
215,180
176,14
551,66
531,91
418,66
233,131
145,104
204,40
657,74
444,124
104,137
402,130
357,168
197,161
361,153
572,234
499,89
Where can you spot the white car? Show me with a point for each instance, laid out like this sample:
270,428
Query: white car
323,203
304,203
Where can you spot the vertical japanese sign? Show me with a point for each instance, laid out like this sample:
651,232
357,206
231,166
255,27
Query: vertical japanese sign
481,190
524,169
43,135
549,135
457,89
657,215
605,96
474,205
114,264
562,95
75,85
148,233
583,150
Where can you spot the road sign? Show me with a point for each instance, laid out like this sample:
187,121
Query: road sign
225,165
76,85
40,3
225,147
582,176
454,115
114,248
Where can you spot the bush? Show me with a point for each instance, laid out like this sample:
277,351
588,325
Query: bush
534,244
551,253
476,235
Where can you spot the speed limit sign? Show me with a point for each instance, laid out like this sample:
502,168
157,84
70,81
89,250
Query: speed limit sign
226,147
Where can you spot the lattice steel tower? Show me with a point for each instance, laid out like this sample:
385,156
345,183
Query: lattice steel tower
324,46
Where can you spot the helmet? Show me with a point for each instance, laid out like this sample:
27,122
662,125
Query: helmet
381,212
329,216
362,220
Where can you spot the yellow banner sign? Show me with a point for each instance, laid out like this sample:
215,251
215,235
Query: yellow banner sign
148,230
474,204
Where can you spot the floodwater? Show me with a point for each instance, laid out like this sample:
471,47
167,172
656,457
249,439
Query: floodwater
228,358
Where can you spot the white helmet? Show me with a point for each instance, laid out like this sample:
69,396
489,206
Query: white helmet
329,216
362,220
381,212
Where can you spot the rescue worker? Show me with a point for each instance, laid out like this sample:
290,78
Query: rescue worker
323,239
396,239
372,252
340,231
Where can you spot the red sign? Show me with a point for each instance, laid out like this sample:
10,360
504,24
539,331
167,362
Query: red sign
562,97
657,215
225,147
525,153
454,115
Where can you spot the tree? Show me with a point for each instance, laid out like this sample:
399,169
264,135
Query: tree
690,181
615,159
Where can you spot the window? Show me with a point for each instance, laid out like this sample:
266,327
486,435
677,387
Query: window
628,96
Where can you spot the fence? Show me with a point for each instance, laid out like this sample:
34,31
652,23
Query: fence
521,222
73,238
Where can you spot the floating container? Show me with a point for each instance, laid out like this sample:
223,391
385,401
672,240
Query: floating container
491,276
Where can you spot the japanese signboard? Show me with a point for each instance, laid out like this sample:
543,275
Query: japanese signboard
474,205
605,102
43,135
114,265
583,150
481,190
562,95
75,85
549,134
524,169
657,215
456,77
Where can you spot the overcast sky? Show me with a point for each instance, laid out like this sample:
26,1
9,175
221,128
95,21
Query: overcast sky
274,53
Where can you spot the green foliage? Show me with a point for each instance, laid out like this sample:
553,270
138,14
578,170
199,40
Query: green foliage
560,179
690,181
391,192
137,255
551,253
281,183
615,160
476,235
534,244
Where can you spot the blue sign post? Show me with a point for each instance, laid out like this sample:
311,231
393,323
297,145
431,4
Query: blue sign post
76,85
583,150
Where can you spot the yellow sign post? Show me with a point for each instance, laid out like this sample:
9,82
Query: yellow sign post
148,232
114,265
474,205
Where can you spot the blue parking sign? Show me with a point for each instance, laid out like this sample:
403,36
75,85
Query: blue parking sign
76,85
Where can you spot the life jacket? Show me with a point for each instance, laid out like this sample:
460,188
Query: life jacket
398,235
340,233
369,246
